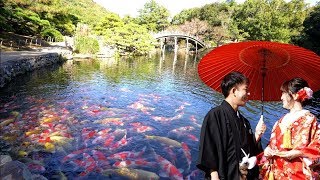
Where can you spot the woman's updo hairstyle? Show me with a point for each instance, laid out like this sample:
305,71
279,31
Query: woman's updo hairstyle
298,86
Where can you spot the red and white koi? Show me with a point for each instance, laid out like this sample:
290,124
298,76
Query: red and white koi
133,163
194,120
182,129
127,154
165,119
73,154
139,106
169,170
138,127
122,142
90,164
187,153
171,154
100,158
87,134
192,137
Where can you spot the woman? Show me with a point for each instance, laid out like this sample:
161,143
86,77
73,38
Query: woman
294,148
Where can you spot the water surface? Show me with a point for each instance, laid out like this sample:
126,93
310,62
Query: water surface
91,118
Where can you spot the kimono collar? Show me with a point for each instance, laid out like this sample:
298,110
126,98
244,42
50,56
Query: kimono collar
229,108
231,117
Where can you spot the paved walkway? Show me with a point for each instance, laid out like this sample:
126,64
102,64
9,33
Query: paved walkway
17,55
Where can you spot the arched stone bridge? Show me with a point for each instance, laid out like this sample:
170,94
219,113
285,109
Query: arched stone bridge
197,43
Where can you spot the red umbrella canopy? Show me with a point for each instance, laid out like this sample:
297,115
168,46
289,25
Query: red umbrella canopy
279,62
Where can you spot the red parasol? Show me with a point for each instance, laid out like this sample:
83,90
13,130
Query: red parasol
266,64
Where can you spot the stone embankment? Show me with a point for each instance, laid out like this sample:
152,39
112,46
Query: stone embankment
16,63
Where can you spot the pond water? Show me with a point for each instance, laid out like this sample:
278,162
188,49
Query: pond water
128,118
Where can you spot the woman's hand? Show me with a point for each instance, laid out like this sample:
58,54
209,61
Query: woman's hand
268,152
290,154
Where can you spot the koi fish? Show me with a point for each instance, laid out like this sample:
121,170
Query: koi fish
192,137
194,175
114,121
127,154
171,154
108,141
165,119
182,129
90,164
140,128
165,140
122,142
141,107
135,174
160,118
73,154
168,169
133,163
180,108
87,134
36,167
187,153
194,120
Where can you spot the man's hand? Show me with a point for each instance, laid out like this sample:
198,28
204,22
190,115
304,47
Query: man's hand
214,175
243,171
260,128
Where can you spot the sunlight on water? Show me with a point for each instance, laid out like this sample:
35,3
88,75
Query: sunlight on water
112,119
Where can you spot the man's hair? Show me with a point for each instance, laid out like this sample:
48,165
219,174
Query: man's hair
231,80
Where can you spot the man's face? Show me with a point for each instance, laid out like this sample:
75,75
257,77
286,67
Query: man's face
241,94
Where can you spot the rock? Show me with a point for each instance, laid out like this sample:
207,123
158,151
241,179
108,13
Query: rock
4,159
15,170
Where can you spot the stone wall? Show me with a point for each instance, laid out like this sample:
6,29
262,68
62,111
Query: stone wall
13,68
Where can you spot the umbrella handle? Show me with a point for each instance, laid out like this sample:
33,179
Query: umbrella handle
260,128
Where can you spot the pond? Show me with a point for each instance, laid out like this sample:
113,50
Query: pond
128,118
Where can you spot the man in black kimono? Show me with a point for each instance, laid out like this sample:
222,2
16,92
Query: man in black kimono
225,131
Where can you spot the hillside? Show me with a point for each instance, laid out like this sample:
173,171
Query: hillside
87,11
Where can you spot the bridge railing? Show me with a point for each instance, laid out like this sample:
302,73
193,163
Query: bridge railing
177,33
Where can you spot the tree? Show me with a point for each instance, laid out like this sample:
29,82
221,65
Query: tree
186,15
195,27
272,20
125,36
153,16
310,38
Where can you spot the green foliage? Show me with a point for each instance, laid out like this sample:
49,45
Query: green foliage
153,16
33,17
53,33
271,20
125,36
311,33
87,11
133,38
186,15
86,44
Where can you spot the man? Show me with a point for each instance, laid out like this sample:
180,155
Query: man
225,133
